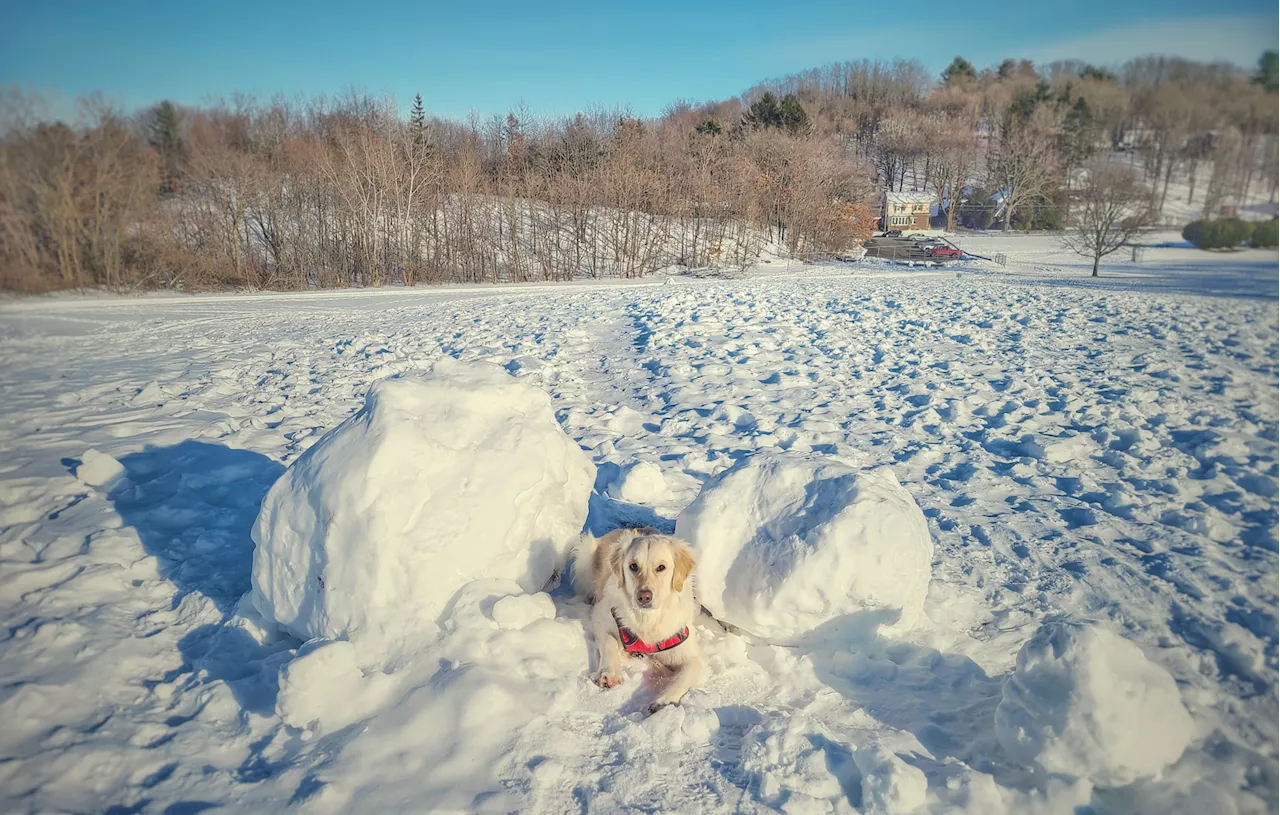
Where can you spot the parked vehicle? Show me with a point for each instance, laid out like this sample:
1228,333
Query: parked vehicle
944,252
893,233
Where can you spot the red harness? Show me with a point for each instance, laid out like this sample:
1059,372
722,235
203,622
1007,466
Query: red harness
634,645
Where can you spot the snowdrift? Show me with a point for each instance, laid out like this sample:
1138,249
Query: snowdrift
1085,702
786,543
437,481
640,482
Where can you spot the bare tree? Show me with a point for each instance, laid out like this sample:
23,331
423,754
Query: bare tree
1024,168
332,192
1111,209
956,153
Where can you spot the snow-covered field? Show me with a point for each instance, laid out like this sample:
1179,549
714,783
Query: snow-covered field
1083,451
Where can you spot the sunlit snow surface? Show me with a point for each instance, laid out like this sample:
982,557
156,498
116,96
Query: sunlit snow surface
1100,450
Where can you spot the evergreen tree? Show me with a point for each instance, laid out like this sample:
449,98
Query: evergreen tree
791,115
1078,139
1017,68
711,127
1025,103
418,122
1266,75
166,138
1101,74
765,112
513,136
959,72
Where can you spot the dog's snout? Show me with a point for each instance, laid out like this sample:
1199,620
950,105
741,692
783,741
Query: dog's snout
644,596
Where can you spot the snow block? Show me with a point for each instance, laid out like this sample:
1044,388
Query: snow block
99,470
786,543
1085,702
438,480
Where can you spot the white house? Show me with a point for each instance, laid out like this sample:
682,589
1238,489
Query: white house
908,211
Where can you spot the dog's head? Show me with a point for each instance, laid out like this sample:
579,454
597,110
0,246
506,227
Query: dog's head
653,568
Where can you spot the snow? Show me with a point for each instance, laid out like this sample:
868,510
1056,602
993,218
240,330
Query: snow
640,482
1081,450
323,688
1086,702
99,469
889,784
796,766
439,480
787,543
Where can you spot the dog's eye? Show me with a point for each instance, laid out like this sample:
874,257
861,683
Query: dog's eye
635,568
661,567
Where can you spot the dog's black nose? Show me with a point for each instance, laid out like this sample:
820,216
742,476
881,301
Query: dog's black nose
645,596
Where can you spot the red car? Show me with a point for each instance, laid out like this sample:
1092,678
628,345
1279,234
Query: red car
944,252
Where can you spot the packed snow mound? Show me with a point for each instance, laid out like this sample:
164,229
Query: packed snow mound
786,543
1085,702
889,784
640,482
323,689
438,480
99,469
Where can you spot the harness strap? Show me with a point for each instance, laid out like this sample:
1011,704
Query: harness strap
634,645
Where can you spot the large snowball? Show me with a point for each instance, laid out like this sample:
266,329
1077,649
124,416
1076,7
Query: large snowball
1085,702
786,543
438,480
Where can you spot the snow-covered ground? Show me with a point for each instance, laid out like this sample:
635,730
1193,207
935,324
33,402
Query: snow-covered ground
1083,451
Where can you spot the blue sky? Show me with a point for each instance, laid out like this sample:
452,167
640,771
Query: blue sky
556,58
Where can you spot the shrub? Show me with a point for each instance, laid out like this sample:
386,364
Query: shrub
1223,233
1264,234
1235,232
1051,215
1197,234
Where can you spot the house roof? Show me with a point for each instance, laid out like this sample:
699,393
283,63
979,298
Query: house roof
909,197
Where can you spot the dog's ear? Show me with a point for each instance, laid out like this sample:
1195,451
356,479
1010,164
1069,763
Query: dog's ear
616,556
683,566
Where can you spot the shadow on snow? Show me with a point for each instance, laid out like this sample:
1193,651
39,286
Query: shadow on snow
193,506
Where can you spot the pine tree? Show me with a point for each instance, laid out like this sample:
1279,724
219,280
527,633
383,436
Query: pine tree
791,115
1077,142
1267,71
710,127
959,72
764,112
418,122
166,138
1100,74
1025,103
513,136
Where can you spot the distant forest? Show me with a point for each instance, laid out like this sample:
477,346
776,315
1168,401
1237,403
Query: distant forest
350,191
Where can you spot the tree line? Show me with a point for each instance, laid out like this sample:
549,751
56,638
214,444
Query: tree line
346,192
1018,134
310,193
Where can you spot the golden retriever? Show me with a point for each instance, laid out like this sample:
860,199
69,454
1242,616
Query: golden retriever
640,584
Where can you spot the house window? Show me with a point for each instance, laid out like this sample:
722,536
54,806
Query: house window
899,220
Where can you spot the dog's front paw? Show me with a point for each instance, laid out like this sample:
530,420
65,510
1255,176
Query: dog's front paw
607,680
654,707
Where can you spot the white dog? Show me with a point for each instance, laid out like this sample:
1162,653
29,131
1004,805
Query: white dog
640,582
